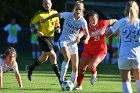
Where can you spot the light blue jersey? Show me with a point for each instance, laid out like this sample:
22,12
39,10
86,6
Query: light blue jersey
71,26
129,38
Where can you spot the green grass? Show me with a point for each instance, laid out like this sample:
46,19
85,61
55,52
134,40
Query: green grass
45,81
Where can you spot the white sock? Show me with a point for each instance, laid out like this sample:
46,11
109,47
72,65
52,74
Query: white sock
33,54
127,87
64,68
74,77
138,86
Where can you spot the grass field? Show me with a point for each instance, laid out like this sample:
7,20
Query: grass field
45,81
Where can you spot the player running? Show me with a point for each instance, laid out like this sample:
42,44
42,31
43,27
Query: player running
74,21
96,49
45,38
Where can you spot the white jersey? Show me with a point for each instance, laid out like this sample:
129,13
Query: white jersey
6,68
129,38
71,26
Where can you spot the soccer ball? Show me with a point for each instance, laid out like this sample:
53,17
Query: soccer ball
67,85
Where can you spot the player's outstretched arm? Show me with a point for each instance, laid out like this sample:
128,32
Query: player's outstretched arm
50,17
18,77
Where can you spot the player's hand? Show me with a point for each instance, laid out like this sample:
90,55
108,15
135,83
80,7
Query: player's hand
40,34
77,40
58,30
85,41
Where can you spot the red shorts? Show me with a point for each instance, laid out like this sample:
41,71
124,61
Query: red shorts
89,54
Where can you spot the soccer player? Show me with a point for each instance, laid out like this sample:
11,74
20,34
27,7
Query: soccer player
45,38
35,44
96,49
129,50
74,21
8,62
12,28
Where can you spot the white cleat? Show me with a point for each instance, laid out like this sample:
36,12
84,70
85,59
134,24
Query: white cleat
93,79
78,88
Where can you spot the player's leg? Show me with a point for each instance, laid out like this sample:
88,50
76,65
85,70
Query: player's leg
54,63
37,62
136,72
66,54
94,62
126,79
82,68
46,47
125,67
74,61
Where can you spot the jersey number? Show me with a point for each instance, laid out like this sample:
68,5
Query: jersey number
96,38
131,36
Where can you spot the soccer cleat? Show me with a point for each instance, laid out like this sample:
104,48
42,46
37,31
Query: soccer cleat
78,88
29,72
93,79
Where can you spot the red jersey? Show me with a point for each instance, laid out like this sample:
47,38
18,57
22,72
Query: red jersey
97,44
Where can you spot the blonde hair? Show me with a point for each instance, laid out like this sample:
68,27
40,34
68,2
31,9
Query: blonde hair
9,51
78,3
132,11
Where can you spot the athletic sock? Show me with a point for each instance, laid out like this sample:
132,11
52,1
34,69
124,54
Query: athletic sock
64,68
36,63
94,71
80,79
138,86
127,87
74,76
56,70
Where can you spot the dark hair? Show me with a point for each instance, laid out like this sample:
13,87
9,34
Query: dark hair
92,13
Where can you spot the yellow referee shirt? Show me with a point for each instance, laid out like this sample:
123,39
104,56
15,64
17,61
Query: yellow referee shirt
46,28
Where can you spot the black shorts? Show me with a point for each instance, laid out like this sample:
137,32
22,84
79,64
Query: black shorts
46,43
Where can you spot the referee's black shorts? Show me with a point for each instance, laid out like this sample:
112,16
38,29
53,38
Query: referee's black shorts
46,43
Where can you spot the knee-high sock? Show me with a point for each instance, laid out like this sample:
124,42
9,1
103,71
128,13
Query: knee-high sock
64,68
138,86
127,87
56,70
80,79
74,76
36,63
94,71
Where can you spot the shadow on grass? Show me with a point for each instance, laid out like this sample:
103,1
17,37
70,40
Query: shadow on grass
36,89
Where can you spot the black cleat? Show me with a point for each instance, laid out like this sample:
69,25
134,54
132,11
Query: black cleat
29,72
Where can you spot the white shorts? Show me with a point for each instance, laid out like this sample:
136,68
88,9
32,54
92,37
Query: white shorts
72,46
128,64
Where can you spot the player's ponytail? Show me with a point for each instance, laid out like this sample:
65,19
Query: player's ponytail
132,11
